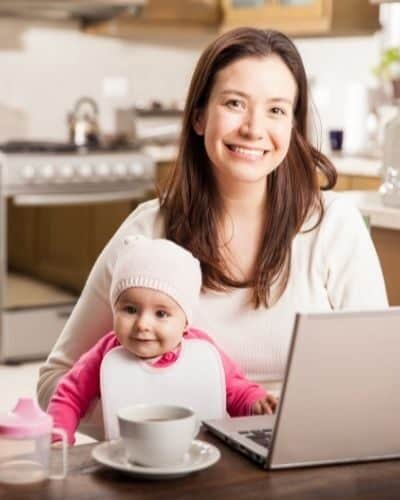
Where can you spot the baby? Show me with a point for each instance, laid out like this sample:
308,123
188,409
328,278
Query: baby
155,288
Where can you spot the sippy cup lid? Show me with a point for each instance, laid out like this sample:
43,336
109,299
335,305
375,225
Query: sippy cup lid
25,420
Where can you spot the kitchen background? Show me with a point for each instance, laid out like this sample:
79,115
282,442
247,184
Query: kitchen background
46,66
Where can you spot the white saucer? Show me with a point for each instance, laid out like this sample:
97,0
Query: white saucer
201,455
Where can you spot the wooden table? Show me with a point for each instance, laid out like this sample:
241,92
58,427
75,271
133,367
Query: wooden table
233,477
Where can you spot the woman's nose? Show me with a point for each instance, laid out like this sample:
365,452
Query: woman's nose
253,126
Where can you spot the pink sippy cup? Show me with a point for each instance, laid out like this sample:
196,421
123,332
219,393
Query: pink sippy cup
25,435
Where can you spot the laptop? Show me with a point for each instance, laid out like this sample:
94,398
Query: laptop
340,400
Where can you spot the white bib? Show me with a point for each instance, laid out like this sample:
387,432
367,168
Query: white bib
196,379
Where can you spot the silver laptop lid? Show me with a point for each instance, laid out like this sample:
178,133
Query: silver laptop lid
341,397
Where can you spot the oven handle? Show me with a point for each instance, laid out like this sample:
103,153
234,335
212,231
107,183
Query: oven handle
77,199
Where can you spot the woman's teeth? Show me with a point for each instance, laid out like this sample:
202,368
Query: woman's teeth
255,153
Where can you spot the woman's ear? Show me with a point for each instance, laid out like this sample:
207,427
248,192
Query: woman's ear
198,121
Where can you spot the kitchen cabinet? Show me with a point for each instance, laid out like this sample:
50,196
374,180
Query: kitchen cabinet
347,182
21,237
105,220
60,244
384,224
387,244
294,17
305,17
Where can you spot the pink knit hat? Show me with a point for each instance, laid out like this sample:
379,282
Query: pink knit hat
160,265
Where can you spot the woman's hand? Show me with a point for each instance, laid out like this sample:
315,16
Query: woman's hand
265,406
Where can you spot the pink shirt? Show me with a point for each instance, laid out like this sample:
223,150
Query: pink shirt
81,385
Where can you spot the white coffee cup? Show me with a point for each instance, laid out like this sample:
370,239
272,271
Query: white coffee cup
157,435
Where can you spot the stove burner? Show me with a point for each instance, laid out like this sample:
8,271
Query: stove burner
22,146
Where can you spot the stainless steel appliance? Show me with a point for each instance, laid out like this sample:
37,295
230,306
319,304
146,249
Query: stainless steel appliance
157,124
52,176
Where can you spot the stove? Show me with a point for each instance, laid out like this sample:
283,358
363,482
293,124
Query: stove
52,167
42,182
23,146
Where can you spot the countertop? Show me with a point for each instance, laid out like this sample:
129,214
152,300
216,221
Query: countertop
346,165
369,202
357,165
370,205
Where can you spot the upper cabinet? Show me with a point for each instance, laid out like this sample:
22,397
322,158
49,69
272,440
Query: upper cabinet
304,17
294,17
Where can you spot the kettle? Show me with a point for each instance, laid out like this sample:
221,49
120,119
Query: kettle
83,123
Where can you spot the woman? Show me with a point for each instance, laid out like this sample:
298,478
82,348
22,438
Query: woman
244,198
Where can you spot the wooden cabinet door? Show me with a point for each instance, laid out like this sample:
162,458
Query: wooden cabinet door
294,17
178,11
303,17
21,230
63,244
59,244
106,218
364,183
387,244
158,17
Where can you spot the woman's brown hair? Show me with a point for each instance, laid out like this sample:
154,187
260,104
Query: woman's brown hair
191,204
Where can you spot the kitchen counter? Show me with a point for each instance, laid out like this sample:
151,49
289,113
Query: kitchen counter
357,165
161,154
345,165
384,225
370,205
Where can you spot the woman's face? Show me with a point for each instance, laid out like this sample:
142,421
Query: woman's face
247,122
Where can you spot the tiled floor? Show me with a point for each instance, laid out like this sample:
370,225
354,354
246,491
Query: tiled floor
20,380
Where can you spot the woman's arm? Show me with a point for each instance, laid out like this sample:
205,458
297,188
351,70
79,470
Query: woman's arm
354,278
92,315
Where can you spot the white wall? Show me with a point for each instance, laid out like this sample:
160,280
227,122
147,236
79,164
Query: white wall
44,69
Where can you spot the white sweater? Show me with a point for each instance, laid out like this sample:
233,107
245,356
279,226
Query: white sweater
335,266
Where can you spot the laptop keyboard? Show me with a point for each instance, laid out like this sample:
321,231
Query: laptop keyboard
260,436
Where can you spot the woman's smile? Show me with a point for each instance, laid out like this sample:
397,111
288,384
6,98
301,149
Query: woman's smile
246,152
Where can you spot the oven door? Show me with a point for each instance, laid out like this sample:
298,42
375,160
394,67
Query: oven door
51,242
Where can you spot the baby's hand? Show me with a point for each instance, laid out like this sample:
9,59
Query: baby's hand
265,406
57,444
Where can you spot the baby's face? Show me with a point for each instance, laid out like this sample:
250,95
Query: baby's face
147,322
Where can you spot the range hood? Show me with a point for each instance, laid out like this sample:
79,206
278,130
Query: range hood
62,10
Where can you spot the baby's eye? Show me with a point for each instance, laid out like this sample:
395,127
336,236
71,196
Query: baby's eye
162,314
130,309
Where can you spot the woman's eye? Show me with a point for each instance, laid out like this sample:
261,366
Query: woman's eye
278,111
235,104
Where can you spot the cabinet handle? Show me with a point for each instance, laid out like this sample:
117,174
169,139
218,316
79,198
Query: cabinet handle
81,198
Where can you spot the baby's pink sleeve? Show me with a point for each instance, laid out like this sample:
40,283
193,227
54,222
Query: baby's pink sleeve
241,393
77,389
